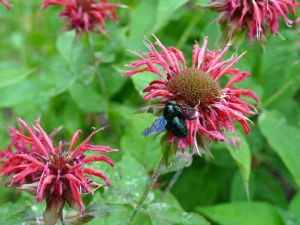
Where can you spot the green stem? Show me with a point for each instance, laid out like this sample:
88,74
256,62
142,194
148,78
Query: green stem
173,181
62,218
90,47
148,188
94,62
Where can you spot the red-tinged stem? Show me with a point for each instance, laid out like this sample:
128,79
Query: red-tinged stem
148,188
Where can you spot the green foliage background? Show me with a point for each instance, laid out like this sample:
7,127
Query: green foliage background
76,82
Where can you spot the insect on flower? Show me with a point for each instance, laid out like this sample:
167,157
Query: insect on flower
50,173
190,102
173,120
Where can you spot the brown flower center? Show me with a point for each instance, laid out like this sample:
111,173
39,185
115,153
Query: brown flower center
194,87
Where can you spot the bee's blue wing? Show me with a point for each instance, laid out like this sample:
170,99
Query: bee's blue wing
156,127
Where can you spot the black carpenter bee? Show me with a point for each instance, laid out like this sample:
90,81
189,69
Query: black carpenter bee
173,119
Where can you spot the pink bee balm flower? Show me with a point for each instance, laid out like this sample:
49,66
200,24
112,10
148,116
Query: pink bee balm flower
5,2
257,17
86,15
49,172
197,91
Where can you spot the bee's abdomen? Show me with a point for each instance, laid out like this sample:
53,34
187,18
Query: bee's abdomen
177,127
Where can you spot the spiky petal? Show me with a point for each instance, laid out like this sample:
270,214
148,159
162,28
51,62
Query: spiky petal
48,172
257,17
216,108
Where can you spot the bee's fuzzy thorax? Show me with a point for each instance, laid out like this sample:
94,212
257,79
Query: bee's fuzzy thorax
194,87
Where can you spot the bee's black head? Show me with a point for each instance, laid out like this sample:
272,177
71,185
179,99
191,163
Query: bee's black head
172,110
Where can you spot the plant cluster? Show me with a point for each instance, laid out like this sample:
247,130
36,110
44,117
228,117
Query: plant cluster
203,138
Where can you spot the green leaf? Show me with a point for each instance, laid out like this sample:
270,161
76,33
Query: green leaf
22,217
144,149
33,90
279,60
284,139
165,9
87,99
242,156
66,47
120,214
288,218
71,117
199,177
245,213
264,186
127,183
142,80
169,212
166,149
162,213
295,204
119,115
10,209
73,51
12,74
179,162
58,77
237,193
6,194
141,22
202,2
112,80
101,211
